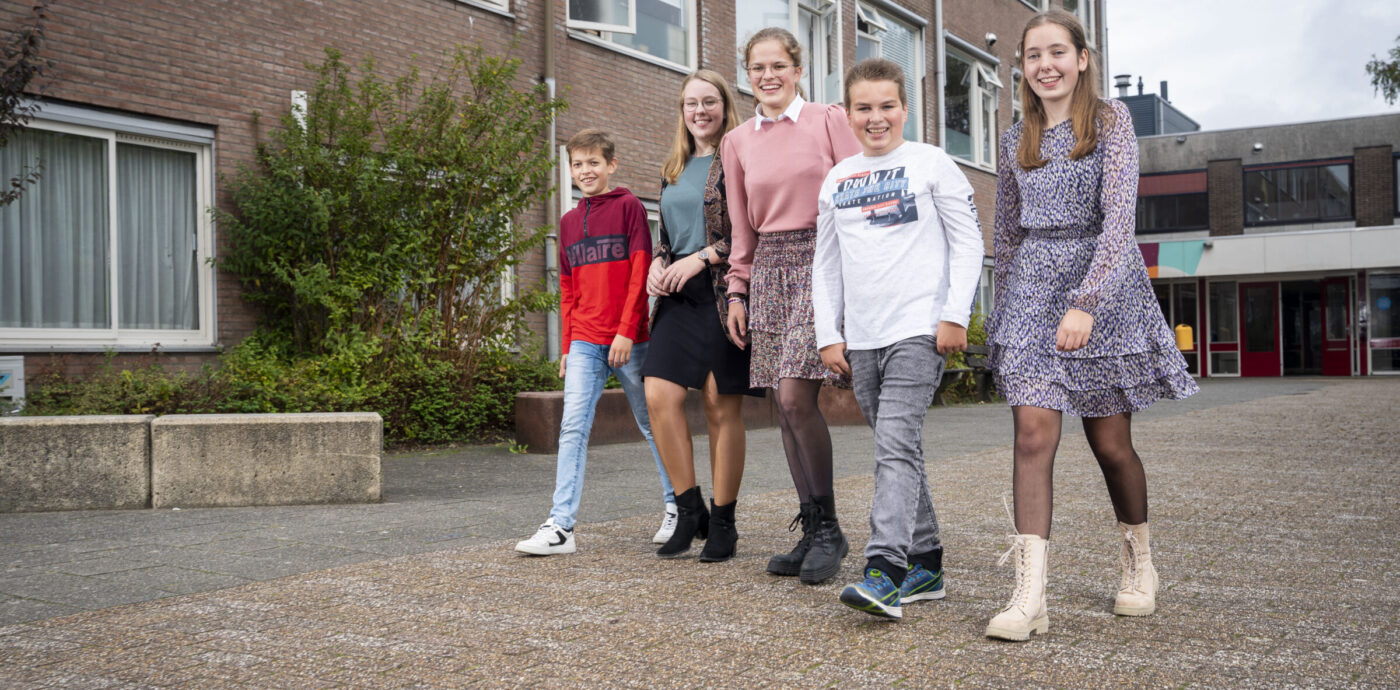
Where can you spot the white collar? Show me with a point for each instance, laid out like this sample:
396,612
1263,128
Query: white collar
794,110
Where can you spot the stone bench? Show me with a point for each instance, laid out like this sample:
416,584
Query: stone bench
140,461
265,459
538,415
74,463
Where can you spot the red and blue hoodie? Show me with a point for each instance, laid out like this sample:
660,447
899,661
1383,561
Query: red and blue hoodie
604,254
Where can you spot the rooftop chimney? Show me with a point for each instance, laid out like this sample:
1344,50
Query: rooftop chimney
1164,93
1122,82
1139,86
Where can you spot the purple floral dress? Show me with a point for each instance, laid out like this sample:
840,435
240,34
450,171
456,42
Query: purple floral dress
1064,239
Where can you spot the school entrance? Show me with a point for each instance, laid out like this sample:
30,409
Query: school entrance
1294,326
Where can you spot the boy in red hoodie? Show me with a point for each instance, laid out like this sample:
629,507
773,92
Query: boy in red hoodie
604,253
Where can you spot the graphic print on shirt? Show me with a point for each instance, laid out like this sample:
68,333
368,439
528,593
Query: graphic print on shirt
597,249
882,195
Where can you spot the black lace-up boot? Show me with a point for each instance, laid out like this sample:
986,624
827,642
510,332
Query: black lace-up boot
791,563
828,543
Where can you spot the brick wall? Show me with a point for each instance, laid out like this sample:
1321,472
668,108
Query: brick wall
216,63
1225,189
1373,175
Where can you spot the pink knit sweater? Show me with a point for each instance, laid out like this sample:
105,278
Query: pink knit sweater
772,177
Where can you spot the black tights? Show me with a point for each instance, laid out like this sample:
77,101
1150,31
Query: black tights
806,440
1032,479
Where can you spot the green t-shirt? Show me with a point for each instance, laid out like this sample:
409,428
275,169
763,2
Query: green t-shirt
683,207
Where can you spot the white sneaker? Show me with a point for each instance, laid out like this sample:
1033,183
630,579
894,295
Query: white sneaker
668,525
548,540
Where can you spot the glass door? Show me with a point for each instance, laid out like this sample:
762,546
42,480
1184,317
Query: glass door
1260,347
1336,327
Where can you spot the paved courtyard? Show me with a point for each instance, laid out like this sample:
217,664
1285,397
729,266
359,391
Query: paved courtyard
1274,527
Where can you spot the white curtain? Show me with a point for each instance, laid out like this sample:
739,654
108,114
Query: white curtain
53,240
54,243
157,229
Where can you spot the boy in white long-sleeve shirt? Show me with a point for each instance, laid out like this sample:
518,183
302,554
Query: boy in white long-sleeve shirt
898,256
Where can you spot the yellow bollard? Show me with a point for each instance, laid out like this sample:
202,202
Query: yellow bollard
1185,338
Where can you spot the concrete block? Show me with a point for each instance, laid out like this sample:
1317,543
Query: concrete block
538,415
74,463
265,459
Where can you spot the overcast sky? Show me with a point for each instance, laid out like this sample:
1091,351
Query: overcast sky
1239,63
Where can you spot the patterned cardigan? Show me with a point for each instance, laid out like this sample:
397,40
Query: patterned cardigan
717,231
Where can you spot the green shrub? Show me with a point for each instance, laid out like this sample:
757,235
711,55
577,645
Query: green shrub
965,389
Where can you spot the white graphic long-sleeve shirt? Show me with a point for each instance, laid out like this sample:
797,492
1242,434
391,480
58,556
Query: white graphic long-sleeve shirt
898,248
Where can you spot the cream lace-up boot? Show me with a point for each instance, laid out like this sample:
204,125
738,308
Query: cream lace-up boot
1137,592
1025,613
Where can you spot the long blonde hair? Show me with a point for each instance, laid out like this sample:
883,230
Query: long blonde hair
683,144
1085,106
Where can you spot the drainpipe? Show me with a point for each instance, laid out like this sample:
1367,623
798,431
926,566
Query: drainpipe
551,241
940,68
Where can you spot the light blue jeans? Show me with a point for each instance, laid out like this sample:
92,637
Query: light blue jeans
585,371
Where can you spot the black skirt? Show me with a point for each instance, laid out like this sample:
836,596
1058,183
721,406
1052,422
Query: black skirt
688,342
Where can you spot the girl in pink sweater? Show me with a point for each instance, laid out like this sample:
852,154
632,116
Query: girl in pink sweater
774,165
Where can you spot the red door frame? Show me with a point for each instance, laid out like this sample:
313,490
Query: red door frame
1267,363
1336,354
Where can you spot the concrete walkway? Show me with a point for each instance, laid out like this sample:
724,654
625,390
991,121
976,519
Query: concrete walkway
1270,501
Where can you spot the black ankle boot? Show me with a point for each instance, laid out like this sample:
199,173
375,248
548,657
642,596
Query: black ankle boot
791,563
719,546
691,519
828,543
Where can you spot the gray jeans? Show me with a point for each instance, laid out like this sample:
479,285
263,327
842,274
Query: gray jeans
894,386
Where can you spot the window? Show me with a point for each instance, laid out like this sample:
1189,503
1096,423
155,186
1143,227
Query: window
817,26
1017,83
1169,212
1383,308
110,247
881,35
1293,193
660,29
1223,310
1037,5
603,15
1084,9
1396,180
970,110
1178,303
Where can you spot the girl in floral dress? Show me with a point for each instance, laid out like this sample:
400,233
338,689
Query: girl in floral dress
1076,327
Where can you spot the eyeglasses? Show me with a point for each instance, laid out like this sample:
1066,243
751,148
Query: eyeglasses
707,104
779,69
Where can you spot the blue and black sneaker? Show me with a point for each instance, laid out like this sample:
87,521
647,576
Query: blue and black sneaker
921,585
876,596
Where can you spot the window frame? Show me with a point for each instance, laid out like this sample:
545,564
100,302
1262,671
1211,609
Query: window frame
1350,164
829,13
1395,183
114,336
915,95
1018,82
980,132
602,38
584,25
1087,16
1037,5
1178,227
501,7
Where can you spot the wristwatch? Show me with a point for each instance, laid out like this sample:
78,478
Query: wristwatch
705,256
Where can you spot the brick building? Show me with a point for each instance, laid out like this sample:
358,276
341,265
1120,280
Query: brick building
154,100
1279,246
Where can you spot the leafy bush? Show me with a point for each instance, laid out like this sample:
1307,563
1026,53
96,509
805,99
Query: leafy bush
376,235
422,399
965,389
